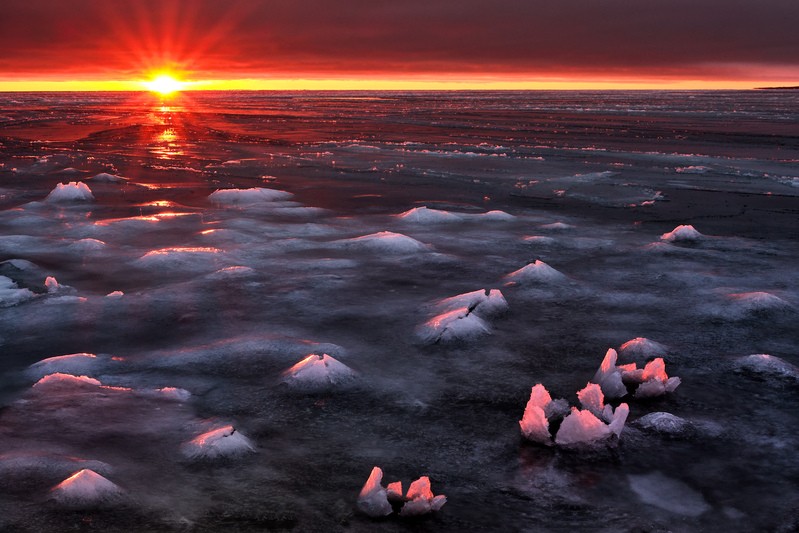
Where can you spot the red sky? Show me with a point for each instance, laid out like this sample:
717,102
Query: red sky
435,39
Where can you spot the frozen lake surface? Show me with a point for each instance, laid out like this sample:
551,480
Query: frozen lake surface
219,312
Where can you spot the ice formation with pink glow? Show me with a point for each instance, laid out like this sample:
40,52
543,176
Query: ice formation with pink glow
319,372
457,325
59,379
105,177
218,443
386,242
641,348
649,381
373,499
425,215
484,302
536,272
85,487
683,233
70,192
761,363
420,499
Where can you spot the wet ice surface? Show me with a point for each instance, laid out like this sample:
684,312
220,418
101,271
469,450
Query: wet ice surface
160,354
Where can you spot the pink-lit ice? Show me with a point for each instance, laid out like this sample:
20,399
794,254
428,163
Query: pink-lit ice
642,349
534,423
609,376
386,242
85,488
650,381
484,302
537,272
218,443
592,399
421,500
59,379
456,325
255,195
105,177
318,372
582,428
70,192
683,233
74,363
425,215
373,499
757,302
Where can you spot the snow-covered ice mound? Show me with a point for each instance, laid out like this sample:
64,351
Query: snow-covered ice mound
420,499
87,245
668,494
86,488
642,349
556,226
684,233
649,381
495,216
425,215
218,443
484,302
456,325
373,499
61,380
255,195
11,294
105,177
385,242
180,258
767,365
75,364
70,192
30,463
317,373
757,303
664,423
537,272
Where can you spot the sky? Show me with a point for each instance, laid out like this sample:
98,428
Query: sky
430,43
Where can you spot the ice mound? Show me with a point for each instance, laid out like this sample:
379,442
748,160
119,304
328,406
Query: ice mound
218,443
556,226
31,463
540,239
642,349
373,499
537,272
87,245
425,215
668,494
232,272
255,195
104,177
758,302
484,302
86,487
664,423
609,376
59,379
457,325
768,365
592,399
420,499
496,215
115,295
318,372
52,285
11,294
684,233
70,192
190,258
386,242
75,364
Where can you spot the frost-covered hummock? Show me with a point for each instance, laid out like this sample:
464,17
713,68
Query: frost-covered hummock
70,192
11,294
74,363
318,372
425,215
373,499
766,364
386,242
218,443
421,500
758,302
86,487
58,379
642,349
105,177
537,272
664,423
495,216
684,233
485,303
556,226
255,195
456,325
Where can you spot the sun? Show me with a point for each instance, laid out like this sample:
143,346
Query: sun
164,84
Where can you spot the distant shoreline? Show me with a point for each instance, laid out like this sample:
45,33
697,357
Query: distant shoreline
793,88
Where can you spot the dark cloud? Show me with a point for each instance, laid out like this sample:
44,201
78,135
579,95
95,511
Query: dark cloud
244,38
